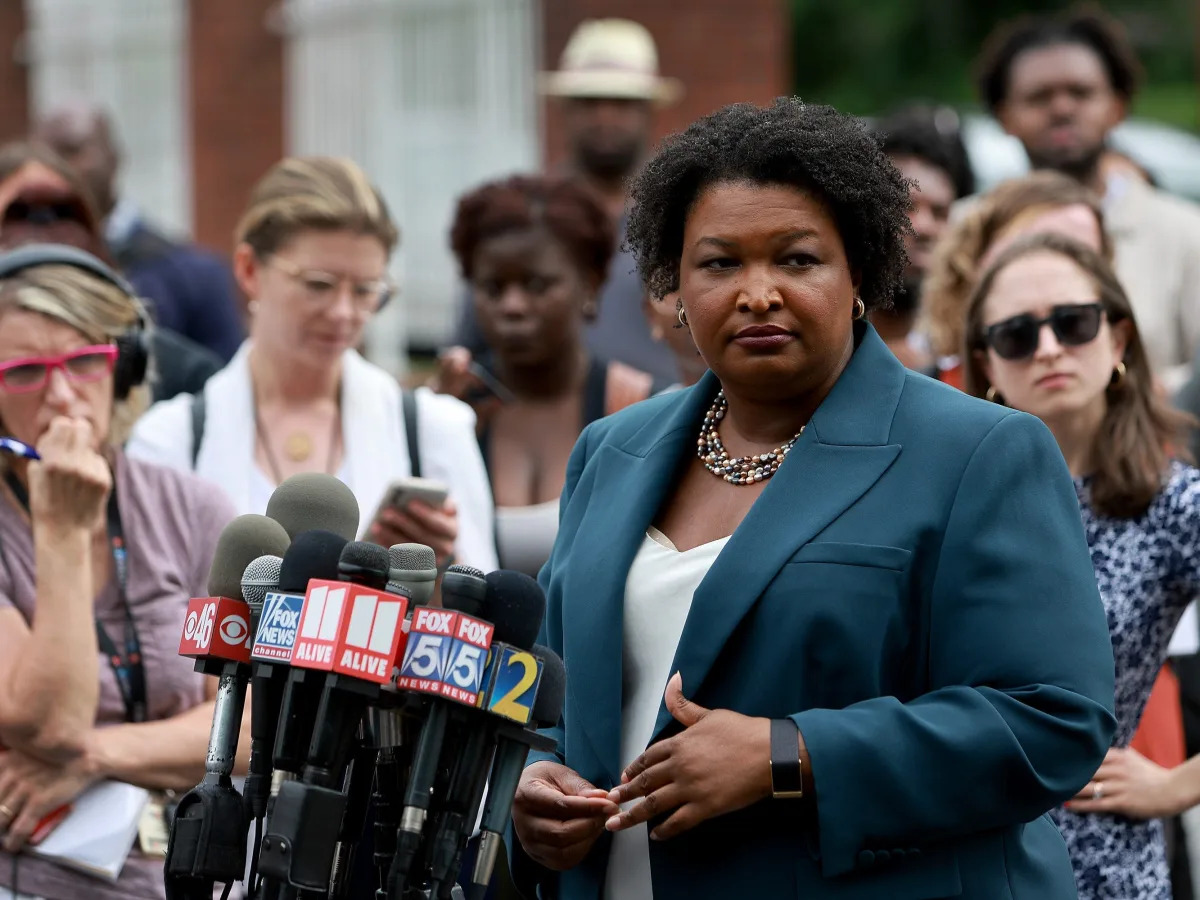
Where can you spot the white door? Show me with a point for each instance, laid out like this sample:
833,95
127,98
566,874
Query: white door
129,56
431,97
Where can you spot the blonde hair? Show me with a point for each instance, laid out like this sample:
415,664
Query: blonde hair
954,268
98,310
313,193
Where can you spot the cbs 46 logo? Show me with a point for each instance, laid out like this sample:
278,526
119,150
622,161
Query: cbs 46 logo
199,626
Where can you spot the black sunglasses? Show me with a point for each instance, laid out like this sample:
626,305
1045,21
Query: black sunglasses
1017,338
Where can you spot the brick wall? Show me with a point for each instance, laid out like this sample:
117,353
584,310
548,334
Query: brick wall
724,51
14,79
236,76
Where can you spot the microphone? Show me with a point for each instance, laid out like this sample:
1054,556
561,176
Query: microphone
314,500
207,843
507,767
432,640
312,553
516,603
216,627
413,568
351,630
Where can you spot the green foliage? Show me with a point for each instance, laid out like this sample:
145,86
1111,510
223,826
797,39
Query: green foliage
867,56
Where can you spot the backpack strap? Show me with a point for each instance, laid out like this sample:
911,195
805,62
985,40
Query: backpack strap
198,415
408,400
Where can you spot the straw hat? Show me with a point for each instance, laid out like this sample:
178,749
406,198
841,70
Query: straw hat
611,58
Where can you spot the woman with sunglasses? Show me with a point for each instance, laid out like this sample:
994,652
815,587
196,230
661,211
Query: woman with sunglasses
312,256
98,557
1051,332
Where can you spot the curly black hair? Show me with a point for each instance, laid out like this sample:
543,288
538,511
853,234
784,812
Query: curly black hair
1086,26
932,135
566,207
814,148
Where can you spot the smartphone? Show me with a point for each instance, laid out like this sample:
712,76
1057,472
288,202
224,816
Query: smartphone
492,388
402,491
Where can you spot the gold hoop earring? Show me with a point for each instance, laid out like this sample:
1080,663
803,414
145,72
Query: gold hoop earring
993,396
681,315
860,308
1119,373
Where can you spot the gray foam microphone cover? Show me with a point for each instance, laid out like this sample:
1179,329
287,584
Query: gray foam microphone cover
241,542
413,568
261,576
314,501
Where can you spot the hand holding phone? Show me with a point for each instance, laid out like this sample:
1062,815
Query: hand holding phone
432,520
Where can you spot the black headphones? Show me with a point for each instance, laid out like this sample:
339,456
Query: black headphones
133,347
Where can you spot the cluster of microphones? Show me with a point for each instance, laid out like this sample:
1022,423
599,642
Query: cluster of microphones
370,708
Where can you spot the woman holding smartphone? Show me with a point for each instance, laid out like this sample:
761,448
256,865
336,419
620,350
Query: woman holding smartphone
535,251
312,255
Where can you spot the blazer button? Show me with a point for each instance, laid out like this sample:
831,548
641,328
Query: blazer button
866,858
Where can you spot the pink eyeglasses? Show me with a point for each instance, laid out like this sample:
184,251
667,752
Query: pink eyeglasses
31,373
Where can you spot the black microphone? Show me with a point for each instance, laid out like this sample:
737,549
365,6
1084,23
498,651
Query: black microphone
207,843
516,605
311,552
355,633
507,767
316,556
463,589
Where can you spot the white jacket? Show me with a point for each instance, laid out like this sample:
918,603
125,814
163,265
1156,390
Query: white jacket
373,435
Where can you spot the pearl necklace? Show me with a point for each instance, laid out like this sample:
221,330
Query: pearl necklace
741,469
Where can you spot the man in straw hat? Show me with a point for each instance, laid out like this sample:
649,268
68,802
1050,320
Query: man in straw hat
608,84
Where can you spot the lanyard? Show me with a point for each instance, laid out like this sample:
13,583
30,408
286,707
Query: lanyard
127,666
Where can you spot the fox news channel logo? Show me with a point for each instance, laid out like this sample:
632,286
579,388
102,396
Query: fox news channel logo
277,626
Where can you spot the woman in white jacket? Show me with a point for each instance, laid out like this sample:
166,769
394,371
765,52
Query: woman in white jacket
311,256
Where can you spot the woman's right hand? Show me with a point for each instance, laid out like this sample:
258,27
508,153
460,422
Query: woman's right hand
69,485
558,815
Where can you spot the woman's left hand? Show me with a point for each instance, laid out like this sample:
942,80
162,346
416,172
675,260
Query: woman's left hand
30,789
1130,785
419,523
720,763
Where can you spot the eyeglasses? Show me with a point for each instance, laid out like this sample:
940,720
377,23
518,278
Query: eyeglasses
1017,337
321,288
31,373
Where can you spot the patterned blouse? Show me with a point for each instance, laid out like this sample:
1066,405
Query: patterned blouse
1148,570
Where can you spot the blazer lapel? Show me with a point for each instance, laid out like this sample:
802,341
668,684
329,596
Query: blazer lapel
842,453
636,478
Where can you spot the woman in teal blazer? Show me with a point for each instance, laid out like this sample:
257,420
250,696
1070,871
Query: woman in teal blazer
897,662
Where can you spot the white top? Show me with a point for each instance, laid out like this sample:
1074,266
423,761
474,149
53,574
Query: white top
658,595
376,451
525,535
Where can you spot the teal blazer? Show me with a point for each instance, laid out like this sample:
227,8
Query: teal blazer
912,587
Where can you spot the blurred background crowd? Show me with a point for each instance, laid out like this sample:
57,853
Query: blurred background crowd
492,144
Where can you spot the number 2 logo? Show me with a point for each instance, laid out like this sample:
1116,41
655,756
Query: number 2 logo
507,705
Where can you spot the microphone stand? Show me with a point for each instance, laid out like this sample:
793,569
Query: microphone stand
207,844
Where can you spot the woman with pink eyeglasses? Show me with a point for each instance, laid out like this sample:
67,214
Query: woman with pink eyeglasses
98,557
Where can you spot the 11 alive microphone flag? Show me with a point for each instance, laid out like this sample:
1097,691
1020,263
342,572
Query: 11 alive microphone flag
349,629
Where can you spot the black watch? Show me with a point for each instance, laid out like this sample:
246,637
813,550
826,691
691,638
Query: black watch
787,772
